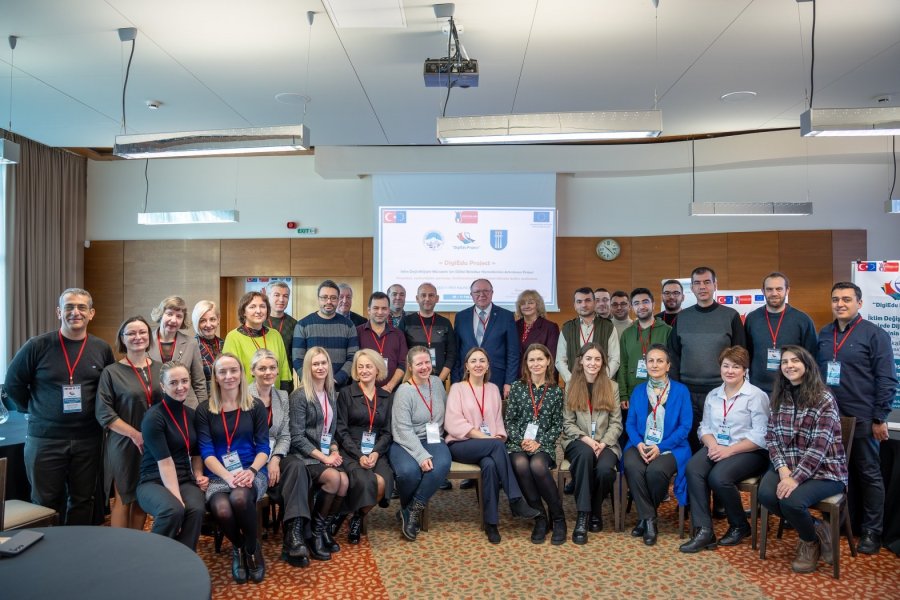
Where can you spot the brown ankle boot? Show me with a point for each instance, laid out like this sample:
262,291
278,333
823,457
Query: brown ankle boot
807,557
823,532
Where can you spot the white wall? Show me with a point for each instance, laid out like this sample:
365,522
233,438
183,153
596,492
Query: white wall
602,190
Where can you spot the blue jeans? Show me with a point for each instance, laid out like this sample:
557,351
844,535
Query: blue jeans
795,508
496,471
412,483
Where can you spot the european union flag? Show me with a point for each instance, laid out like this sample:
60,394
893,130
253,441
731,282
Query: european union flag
541,216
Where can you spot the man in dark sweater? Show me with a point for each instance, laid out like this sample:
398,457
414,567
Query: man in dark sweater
773,326
673,297
857,363
429,329
279,294
54,377
699,335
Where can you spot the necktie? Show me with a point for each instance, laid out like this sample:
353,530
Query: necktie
479,330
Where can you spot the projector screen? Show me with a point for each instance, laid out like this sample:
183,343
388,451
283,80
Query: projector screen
514,248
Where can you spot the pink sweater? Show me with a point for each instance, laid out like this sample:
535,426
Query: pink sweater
463,415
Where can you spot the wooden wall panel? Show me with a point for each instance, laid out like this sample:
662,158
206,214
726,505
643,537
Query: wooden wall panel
360,295
751,256
327,257
654,259
706,250
155,269
847,246
255,257
103,278
805,257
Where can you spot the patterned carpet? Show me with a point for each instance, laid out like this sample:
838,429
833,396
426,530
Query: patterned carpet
454,560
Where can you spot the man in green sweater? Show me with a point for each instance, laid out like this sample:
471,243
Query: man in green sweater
634,342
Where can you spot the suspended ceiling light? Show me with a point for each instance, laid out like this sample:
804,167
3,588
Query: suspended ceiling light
256,140
188,217
751,209
9,152
550,127
850,121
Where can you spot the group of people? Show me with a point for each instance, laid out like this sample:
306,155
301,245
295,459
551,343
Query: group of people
334,413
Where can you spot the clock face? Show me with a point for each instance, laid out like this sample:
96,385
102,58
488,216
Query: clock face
608,249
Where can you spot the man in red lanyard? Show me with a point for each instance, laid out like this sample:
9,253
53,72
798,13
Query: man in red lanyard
279,294
54,377
379,335
772,326
857,363
587,327
429,329
672,297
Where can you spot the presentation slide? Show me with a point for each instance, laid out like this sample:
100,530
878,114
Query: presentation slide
515,248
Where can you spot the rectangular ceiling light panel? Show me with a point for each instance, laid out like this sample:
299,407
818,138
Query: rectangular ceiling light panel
188,217
9,152
256,140
549,127
366,14
750,209
850,121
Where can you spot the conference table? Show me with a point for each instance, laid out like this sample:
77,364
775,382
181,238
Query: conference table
104,563
13,449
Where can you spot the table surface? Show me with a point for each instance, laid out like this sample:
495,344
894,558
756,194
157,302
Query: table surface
14,430
104,563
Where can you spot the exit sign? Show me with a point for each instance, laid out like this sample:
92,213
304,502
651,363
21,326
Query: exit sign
307,231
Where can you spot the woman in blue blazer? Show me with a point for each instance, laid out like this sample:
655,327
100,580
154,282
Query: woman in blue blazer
658,425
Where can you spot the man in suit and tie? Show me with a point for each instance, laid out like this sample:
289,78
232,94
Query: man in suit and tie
492,328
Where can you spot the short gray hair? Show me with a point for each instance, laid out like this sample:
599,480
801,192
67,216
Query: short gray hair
76,292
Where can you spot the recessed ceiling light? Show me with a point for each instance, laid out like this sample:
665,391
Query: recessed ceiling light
153,104
292,98
741,96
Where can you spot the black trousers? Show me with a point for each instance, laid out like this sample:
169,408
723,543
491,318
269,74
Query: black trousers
594,476
292,489
704,475
866,491
648,482
170,518
63,476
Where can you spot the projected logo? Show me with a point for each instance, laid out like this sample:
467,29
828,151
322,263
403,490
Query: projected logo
466,216
541,216
499,238
465,238
892,288
433,240
395,216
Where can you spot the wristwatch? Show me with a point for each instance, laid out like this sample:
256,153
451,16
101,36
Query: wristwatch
255,472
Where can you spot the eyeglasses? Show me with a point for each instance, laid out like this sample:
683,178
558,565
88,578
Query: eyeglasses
619,304
671,294
327,298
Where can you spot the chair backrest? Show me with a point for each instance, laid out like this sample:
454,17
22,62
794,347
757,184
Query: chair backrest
2,491
848,426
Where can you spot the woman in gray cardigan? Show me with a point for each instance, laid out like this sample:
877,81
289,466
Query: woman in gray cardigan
420,458
592,424
288,481
312,425
169,342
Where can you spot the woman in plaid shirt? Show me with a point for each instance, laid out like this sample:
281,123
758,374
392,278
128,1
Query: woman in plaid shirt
808,459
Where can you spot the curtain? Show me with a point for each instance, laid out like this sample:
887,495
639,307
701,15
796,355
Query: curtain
45,227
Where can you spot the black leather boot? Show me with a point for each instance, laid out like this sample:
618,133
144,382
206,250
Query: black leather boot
319,549
256,566
238,568
579,534
355,528
412,516
293,548
558,537
650,532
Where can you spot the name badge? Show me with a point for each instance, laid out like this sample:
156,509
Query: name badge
232,461
653,436
368,442
833,373
773,359
71,395
593,428
433,355
271,446
325,443
531,432
485,429
641,371
387,364
432,433
723,435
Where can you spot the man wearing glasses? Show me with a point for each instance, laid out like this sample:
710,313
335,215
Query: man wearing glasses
53,377
619,311
673,297
330,330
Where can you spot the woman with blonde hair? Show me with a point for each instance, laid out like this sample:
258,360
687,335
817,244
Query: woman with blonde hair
170,343
233,435
592,424
532,323
312,426
205,318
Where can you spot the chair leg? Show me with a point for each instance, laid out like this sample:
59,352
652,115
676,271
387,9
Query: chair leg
763,531
617,503
681,521
780,528
834,522
847,528
754,513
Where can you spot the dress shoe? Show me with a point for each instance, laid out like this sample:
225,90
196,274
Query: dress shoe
539,533
595,523
355,528
735,535
807,557
579,533
466,484
520,508
238,567
705,538
650,532
869,542
639,529
446,485
826,549
559,532
569,487
493,535
256,566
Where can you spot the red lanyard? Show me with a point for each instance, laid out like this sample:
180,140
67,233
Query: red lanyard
146,386
212,349
185,435
846,335
526,330
726,410
585,340
430,395
484,322
774,334
428,330
480,406
371,406
229,437
280,325
159,345
253,339
269,410
659,400
323,402
640,336
536,408
377,345
71,367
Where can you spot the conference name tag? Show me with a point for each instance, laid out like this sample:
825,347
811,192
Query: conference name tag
641,371
723,435
485,429
368,442
833,373
653,436
531,432
71,396
325,443
232,461
593,429
773,359
432,433
433,357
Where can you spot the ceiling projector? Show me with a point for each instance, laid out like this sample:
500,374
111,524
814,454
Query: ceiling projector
441,72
